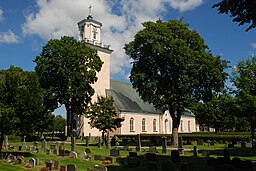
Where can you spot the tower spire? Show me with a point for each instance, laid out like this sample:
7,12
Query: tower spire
90,13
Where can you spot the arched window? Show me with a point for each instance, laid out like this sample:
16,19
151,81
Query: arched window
132,124
189,126
170,125
154,125
143,124
166,126
181,126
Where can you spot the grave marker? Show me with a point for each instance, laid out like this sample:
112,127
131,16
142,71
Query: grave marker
32,162
71,167
114,152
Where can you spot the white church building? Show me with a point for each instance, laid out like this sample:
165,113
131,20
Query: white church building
139,117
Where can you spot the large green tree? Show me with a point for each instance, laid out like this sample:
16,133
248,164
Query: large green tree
103,115
172,67
244,79
242,11
67,68
21,102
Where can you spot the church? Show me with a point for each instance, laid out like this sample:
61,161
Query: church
139,117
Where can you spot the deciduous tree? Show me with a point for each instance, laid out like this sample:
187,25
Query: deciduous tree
172,67
242,11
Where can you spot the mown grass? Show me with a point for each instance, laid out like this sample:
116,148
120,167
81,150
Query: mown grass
199,163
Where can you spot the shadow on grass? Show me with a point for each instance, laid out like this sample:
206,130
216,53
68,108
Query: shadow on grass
18,153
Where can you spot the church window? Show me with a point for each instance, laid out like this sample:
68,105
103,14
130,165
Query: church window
170,125
181,126
166,126
143,124
132,124
154,125
189,126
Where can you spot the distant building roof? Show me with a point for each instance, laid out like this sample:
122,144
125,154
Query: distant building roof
127,99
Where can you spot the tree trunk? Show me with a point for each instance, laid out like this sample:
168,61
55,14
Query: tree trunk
68,123
1,141
175,114
103,138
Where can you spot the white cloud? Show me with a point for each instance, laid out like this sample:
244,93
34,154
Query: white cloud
8,37
1,14
253,45
121,20
184,5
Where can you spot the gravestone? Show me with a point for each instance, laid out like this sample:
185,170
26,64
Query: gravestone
126,148
52,146
205,153
226,155
248,145
212,143
114,152
97,157
175,137
152,149
62,153
175,156
167,166
24,142
195,152
62,168
48,164
56,164
20,148
200,142
88,150
82,154
55,151
87,141
32,162
138,143
71,167
44,144
37,161
73,154
243,144
164,147
48,151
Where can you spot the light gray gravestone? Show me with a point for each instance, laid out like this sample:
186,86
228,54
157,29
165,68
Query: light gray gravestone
152,149
71,167
32,162
82,154
44,144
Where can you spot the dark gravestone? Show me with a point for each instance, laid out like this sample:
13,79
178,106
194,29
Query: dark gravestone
195,152
87,141
200,142
167,166
133,160
151,160
49,164
62,168
71,167
226,155
243,144
88,150
114,152
138,143
164,147
97,157
175,156
56,165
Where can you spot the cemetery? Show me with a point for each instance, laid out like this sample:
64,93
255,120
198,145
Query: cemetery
197,155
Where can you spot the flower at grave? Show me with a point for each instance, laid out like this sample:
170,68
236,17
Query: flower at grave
28,165
72,157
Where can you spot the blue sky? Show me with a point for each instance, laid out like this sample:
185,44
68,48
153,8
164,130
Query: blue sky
27,25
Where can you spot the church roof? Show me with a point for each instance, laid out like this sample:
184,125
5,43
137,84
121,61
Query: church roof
127,99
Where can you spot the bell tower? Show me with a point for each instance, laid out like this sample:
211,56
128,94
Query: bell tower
90,34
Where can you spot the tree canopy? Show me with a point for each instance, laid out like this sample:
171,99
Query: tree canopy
22,106
244,79
67,69
103,115
172,67
242,11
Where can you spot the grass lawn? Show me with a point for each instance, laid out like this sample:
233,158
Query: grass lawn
199,163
